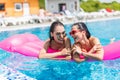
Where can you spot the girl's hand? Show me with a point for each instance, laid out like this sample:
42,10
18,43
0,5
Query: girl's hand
77,50
65,52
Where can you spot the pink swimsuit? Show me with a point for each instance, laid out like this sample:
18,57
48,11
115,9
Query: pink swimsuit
51,51
81,56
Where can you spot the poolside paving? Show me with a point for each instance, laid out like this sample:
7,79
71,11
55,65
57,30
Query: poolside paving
46,24
10,74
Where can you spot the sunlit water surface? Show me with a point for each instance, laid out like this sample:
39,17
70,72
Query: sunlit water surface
66,70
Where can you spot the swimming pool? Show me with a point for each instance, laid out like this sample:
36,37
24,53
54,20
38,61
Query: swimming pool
66,70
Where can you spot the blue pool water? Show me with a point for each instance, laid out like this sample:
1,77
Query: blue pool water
66,70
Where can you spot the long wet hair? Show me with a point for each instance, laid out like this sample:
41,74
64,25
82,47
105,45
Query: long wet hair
82,26
52,28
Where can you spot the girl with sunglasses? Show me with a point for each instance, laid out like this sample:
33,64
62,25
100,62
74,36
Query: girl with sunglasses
58,45
85,46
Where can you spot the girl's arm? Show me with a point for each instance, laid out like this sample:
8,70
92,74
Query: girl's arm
67,44
44,54
66,58
68,47
97,51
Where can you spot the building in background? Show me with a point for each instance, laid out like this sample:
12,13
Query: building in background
19,7
61,5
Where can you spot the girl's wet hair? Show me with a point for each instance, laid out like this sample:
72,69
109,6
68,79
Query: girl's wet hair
82,26
52,28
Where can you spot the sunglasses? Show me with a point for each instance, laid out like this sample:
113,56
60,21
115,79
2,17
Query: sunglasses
60,33
73,32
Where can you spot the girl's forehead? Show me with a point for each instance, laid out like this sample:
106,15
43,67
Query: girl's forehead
75,27
59,28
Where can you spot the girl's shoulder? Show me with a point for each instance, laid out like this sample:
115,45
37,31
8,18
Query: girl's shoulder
94,40
47,43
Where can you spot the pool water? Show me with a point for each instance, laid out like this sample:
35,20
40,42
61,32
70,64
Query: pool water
66,70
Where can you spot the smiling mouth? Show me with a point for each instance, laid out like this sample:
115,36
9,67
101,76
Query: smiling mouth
76,38
59,38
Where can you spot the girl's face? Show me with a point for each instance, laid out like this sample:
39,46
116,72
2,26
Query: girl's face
59,34
76,33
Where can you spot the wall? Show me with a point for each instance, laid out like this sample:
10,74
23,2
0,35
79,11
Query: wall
53,5
10,7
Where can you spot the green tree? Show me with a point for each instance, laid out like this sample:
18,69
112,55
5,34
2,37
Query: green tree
42,4
95,5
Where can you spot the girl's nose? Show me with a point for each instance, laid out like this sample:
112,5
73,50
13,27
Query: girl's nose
61,35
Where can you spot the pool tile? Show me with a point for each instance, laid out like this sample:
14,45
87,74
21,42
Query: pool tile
9,74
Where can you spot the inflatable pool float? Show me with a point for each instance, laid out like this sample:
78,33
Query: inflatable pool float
26,44
30,45
112,51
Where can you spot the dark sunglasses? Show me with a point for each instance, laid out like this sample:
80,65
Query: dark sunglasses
59,33
73,32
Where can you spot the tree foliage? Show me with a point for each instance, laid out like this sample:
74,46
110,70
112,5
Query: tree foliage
95,5
42,4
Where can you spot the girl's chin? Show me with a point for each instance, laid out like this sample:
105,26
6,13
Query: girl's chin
60,42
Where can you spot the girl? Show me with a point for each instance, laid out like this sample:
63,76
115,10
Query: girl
58,45
85,46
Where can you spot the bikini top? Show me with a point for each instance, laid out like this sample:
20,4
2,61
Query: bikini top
52,51
82,56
